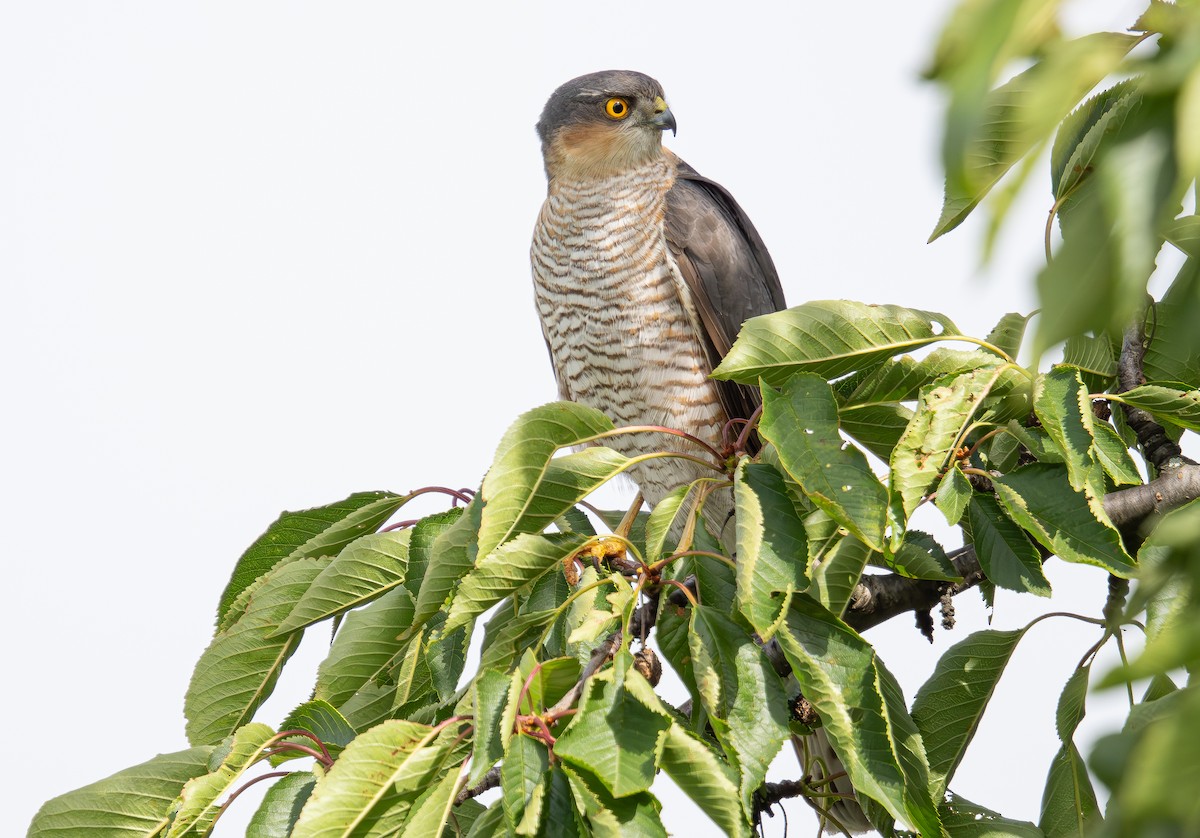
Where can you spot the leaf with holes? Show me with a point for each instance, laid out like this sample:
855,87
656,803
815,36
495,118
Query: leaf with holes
828,338
944,414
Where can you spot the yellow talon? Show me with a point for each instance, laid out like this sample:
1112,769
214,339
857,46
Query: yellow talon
601,549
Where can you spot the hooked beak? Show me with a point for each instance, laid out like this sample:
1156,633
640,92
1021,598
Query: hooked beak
663,118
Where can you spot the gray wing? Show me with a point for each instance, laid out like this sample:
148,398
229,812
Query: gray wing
726,267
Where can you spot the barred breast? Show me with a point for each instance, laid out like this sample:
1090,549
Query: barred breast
623,334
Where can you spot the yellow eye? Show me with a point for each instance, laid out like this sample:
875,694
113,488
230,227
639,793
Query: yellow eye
616,108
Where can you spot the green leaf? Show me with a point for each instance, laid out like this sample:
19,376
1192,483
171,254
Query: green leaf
322,531
281,805
863,712
705,778
835,577
510,566
198,805
568,479
1037,442
945,412
451,557
425,534
1070,524
364,644
1061,404
432,814
523,776
414,674
562,818
504,643
490,692
1157,768
876,427
953,494
1179,407
901,379
772,547
668,517
672,632
365,569
1068,804
553,679
828,338
1113,455
802,424
238,670
1094,358
376,780
135,801
1080,135
1009,333
1184,233
635,816
921,557
522,460
1112,231
964,819
489,824
948,707
1071,709
615,737
575,520
1174,353
322,720
1008,558
1019,115
743,696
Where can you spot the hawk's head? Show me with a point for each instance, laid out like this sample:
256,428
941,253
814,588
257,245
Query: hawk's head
603,123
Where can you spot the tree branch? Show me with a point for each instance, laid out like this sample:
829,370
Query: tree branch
490,781
768,794
879,597
1156,445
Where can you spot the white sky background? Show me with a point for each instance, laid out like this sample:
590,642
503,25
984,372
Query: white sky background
258,256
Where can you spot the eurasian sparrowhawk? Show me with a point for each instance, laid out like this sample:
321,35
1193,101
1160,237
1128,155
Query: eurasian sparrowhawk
644,271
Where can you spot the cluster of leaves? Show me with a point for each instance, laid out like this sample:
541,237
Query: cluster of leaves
562,713
561,701
1120,163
